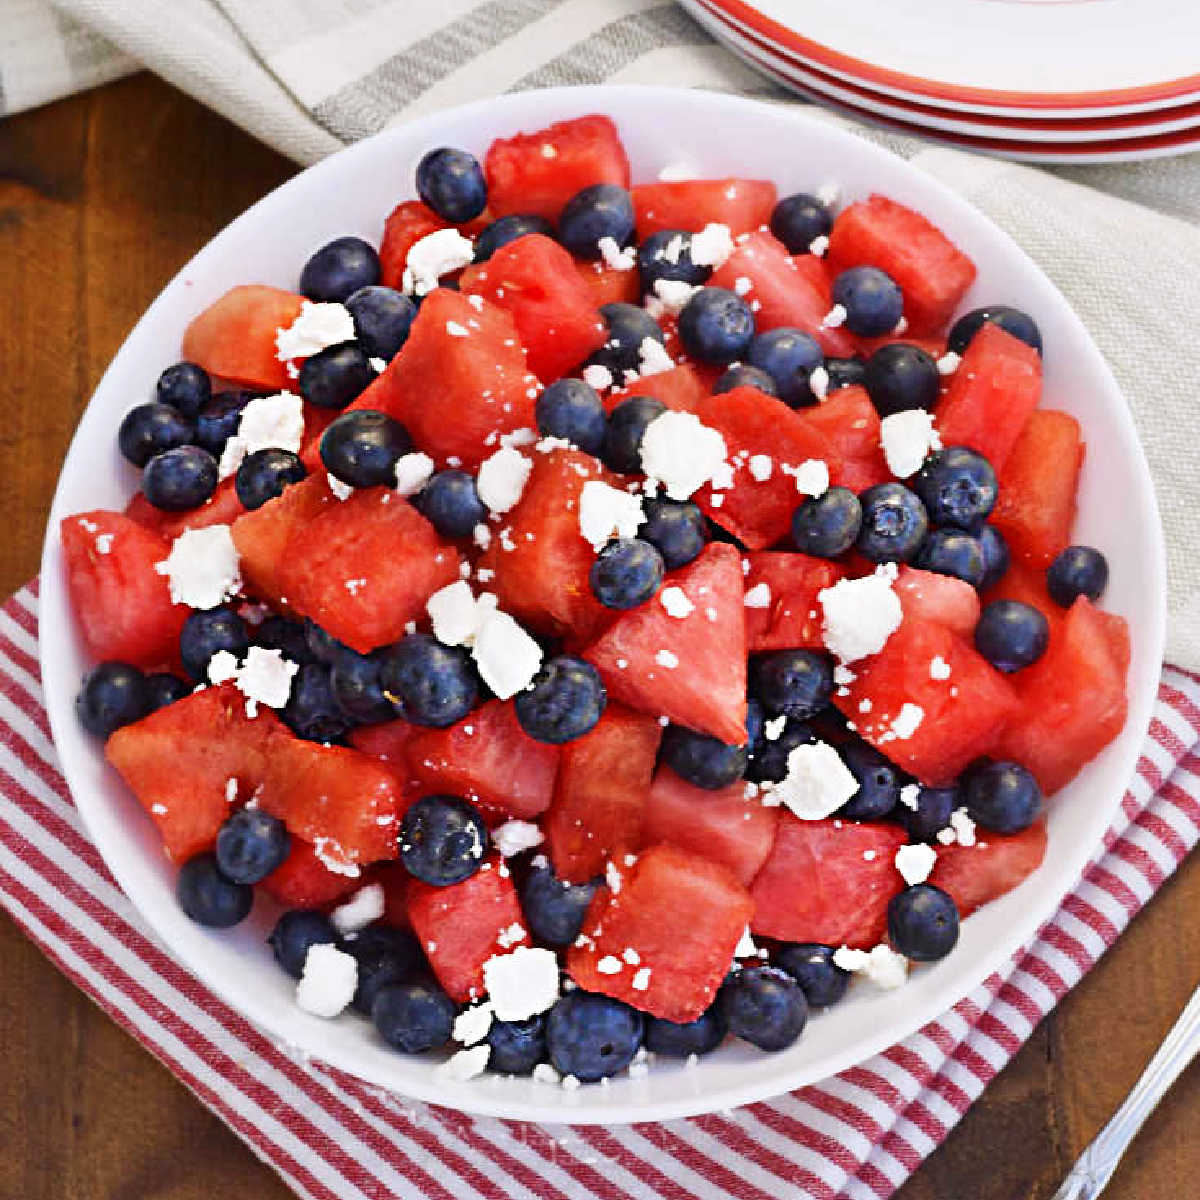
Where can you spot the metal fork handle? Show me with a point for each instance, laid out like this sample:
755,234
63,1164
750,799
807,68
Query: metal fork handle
1099,1160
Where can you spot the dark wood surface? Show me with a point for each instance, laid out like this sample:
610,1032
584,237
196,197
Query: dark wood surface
102,198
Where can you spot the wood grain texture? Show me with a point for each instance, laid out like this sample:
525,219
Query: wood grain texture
102,198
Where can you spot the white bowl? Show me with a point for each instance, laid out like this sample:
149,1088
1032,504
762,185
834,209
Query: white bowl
716,135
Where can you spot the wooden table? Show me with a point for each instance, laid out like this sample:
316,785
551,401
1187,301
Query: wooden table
102,198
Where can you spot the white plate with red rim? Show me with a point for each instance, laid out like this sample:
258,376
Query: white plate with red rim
710,135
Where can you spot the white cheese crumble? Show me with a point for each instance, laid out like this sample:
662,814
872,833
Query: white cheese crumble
609,965
681,453
812,477
378,365
222,667
202,568
456,614
882,965
454,329
328,982
905,723
598,377
514,837
511,935
502,479
948,363
104,542
266,677
412,472
640,982
743,285
939,668
960,830
231,789
819,246
631,956
818,383
860,614
317,327
435,255
507,657
817,783
270,422
773,729
521,984
759,596
614,257
665,658
907,438
745,947
834,318
915,862
910,795
472,1024
673,294
711,246
341,491
365,906
612,877
675,601
606,512
466,1064
653,358
760,466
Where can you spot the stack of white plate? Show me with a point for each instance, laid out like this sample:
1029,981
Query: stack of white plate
1052,81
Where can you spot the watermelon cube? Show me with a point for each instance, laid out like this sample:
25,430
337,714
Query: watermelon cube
850,423
304,881
928,596
792,618
608,285
994,865
406,225
685,388
740,204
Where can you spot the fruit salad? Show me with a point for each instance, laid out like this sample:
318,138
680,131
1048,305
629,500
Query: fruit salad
603,618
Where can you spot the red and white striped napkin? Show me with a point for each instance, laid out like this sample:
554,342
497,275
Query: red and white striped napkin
332,1137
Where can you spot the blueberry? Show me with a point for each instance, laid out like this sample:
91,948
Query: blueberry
626,573
290,637
603,210
1011,635
382,318
443,840
163,688
793,683
517,1046
149,429
769,756
894,523
431,684
263,475
628,327
218,420
995,556
564,701
509,229
811,965
451,183
357,688
180,479
208,898
1012,320
716,326
250,845
413,1017
295,933
1001,796
113,694
957,486
798,220
206,632
450,500
626,427
932,812
667,254
827,525
764,1006
701,760
570,409
922,923
952,552
878,783
339,269
844,373
324,647
678,1039
676,529
362,447
554,909
742,375
333,377
872,299
592,1036
1077,571
312,712
384,956
789,357
899,377
184,386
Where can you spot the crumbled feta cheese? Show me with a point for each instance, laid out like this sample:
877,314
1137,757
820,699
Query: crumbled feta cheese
681,453
202,568
948,363
834,318
640,982
222,667
545,1073
231,789
905,723
631,956
653,358
915,862
466,1064
606,512
454,329
817,783
745,947
675,601
860,614
742,285
342,491
759,596
673,294
413,472
812,477
435,255
882,965
456,614
514,837
819,245
907,438
317,327
598,377
612,877
270,422
870,855
910,795
266,677
939,668
378,365
818,382
328,982
614,257
365,906
761,466
665,658
508,937
963,826
521,984
502,479
711,246
773,729
609,965
472,1024
507,657
104,543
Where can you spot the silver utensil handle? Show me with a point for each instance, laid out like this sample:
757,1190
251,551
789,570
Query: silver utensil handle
1099,1160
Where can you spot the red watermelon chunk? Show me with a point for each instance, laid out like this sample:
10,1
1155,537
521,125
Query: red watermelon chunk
792,619
685,388
1116,630
681,916
740,204
304,881
973,875
931,271
928,596
849,421
705,689
828,882
608,285
406,225
603,781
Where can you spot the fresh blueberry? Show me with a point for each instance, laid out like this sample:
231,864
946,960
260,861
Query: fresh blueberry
676,529
702,761
324,647
899,376
626,573
1077,571
339,269
628,327
163,688
798,220
716,326
878,783
295,933
312,712
263,475
333,377
517,1046
667,255
218,420
208,898
450,500
827,525
290,637
678,1039
357,689
743,375
431,684
113,694
995,556
957,486
564,701
793,683
184,386
932,812
872,299
570,409
769,756
952,552
553,908
150,429
250,845
443,840
382,318
180,479
844,373
592,1036
1001,796
1012,320
1011,635
384,956
452,184
507,229
206,632
894,523
362,447
789,356
626,427
603,210
922,923
413,1017
764,1006
811,965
